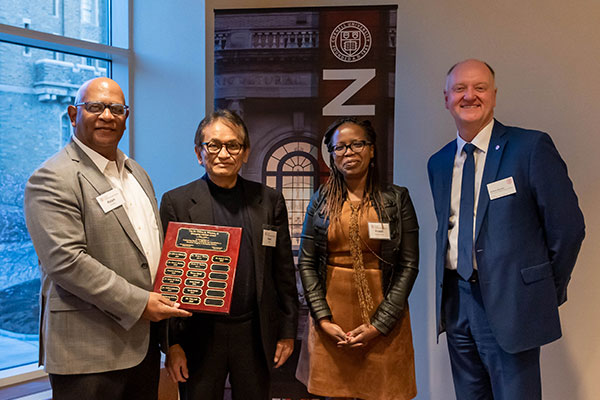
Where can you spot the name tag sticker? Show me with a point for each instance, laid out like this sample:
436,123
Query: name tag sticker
501,188
269,238
379,230
110,200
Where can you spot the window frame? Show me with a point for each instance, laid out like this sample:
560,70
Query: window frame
279,174
120,57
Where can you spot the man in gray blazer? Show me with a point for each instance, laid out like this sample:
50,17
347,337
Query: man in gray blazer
93,219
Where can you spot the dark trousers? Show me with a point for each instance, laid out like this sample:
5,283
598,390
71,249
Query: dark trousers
139,382
480,368
223,348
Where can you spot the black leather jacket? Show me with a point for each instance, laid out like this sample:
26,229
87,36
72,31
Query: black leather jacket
401,253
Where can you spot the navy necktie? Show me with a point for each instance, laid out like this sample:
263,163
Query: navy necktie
465,222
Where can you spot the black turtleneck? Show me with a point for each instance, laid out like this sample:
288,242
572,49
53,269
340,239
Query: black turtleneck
229,209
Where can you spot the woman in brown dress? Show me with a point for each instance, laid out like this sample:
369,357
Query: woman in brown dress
358,262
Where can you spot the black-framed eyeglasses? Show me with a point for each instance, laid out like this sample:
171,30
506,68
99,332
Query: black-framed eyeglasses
357,146
97,107
214,147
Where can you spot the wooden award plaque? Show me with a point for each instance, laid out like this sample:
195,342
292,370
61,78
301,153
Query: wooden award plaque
197,266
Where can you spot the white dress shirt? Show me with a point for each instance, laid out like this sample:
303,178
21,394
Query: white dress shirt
137,205
481,142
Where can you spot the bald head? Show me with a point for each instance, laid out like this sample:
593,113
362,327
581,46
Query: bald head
471,62
97,83
100,131
470,96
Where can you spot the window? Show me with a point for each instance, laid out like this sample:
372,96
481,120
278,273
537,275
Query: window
89,12
65,129
54,11
41,73
26,24
78,19
292,170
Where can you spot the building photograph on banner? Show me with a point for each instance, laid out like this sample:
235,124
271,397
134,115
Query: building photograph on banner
290,73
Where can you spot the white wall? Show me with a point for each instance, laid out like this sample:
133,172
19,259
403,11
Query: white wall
546,57
169,89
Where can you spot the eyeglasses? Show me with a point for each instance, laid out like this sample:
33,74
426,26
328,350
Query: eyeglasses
96,107
214,147
357,146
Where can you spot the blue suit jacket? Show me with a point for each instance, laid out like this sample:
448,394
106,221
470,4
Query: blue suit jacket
526,243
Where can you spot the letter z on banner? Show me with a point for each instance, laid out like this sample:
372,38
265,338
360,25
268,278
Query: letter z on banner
357,73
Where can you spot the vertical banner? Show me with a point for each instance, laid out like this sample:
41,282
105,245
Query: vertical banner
291,72
357,74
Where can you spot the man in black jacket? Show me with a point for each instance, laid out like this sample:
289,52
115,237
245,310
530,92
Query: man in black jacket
259,332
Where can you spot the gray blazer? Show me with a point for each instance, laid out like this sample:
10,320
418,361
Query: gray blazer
95,276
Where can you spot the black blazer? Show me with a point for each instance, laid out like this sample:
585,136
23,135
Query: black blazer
277,296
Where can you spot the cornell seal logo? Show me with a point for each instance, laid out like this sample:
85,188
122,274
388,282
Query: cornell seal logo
350,41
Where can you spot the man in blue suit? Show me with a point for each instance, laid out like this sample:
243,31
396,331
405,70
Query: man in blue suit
509,231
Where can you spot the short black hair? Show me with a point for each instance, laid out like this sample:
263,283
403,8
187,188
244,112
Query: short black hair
230,118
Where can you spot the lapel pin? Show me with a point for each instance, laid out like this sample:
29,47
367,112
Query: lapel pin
497,146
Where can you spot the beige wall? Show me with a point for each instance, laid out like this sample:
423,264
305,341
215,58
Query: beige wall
545,54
